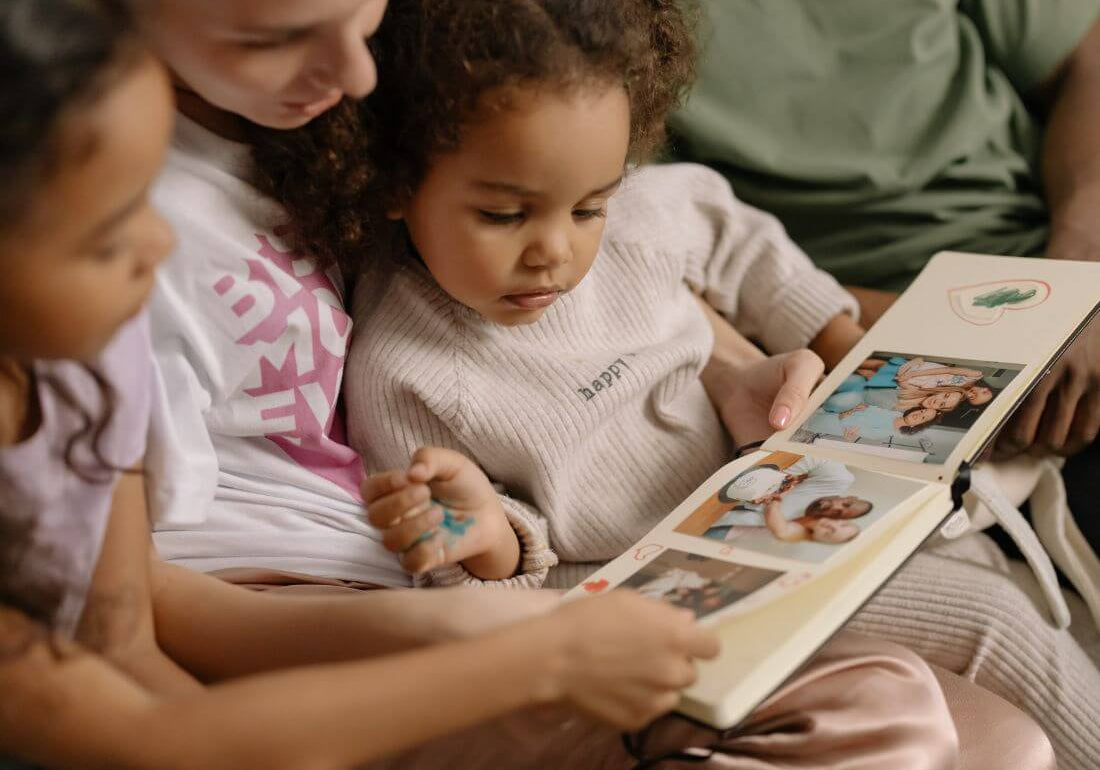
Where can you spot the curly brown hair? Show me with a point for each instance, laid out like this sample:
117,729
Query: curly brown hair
438,60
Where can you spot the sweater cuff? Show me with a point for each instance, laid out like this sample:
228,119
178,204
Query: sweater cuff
803,310
535,559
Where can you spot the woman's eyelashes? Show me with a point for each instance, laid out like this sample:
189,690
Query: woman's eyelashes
273,42
501,217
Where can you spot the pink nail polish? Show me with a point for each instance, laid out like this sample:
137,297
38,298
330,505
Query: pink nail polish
781,416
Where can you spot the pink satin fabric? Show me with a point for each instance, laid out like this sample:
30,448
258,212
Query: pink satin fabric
861,704
992,732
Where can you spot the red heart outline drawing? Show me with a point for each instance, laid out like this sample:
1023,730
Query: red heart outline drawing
962,299
595,586
643,552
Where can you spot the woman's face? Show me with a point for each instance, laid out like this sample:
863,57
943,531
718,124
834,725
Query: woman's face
278,63
942,402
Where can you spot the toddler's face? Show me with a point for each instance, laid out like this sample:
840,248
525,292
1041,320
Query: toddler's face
978,395
513,219
919,416
832,531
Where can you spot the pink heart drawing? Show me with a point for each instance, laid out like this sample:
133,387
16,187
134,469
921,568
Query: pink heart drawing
595,586
983,304
643,552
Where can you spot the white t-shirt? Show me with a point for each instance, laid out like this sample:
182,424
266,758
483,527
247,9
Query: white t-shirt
825,478
250,464
929,381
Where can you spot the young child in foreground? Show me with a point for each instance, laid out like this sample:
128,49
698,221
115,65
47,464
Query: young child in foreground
531,300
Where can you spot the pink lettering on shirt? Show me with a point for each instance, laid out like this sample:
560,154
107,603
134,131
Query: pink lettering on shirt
294,310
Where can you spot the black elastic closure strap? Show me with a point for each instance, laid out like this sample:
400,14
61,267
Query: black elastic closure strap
740,451
960,486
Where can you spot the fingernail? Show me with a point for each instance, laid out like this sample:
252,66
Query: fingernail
781,415
416,510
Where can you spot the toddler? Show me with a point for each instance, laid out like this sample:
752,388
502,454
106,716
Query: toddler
531,300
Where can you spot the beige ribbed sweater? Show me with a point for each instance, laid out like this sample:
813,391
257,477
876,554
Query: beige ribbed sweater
593,419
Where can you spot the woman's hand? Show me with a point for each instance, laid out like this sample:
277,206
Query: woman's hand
1062,414
905,369
622,658
440,511
766,395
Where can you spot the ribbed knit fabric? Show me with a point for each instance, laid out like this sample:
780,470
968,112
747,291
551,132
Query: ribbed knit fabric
593,419
965,607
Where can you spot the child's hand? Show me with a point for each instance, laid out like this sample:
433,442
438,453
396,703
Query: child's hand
853,410
620,657
442,510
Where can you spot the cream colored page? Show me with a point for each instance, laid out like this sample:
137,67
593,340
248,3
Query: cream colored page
761,648
1008,313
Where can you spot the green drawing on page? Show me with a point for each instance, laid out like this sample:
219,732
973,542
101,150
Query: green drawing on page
1005,295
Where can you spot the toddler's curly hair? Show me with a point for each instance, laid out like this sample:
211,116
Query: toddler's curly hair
438,62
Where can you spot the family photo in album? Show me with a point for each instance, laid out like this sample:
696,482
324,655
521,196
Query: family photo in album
698,583
796,507
905,406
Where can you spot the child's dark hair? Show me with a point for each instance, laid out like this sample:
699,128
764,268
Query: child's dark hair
437,61
58,57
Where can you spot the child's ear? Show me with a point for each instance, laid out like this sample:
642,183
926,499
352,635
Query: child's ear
396,213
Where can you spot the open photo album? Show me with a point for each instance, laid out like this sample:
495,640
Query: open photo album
780,547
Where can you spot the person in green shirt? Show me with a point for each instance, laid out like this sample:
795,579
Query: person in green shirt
883,131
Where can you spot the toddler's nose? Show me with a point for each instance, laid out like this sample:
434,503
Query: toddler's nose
550,251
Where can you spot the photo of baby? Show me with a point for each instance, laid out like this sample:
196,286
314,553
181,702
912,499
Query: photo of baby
797,507
910,407
699,583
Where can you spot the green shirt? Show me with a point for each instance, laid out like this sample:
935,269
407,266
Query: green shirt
882,131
